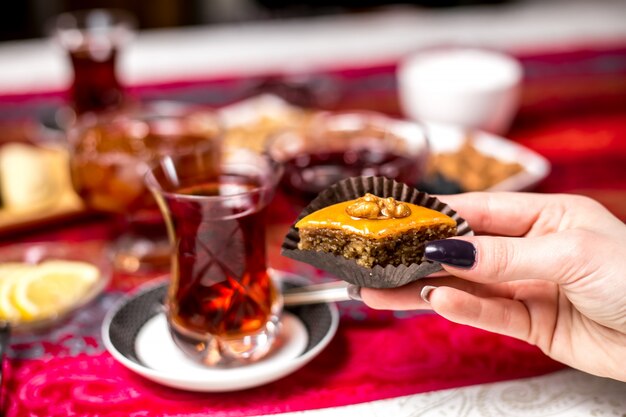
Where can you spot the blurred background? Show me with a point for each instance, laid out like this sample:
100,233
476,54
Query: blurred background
27,19
200,39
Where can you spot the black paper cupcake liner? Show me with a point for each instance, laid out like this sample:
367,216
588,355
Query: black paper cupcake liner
347,269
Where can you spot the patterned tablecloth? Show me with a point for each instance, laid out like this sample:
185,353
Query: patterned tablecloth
573,113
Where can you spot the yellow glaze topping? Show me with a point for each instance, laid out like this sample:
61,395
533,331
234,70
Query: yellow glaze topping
335,217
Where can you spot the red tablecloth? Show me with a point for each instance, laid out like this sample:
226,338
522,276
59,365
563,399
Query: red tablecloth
573,113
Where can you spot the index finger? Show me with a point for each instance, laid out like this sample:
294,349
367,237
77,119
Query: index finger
504,213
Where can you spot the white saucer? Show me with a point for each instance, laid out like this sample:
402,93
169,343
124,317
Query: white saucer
135,332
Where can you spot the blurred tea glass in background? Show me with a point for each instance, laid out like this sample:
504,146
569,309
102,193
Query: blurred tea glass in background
337,145
468,87
93,40
109,156
223,307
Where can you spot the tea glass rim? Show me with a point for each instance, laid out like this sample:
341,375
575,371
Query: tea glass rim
149,110
276,170
72,30
76,20
146,112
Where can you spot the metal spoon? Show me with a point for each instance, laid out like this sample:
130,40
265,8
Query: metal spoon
316,293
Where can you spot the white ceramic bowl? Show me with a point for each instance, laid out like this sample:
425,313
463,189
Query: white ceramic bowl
466,87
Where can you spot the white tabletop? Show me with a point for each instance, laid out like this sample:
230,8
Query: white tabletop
563,393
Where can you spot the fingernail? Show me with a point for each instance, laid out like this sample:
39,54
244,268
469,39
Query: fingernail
425,293
454,252
354,292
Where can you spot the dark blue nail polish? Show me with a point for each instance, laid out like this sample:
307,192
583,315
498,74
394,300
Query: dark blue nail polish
451,252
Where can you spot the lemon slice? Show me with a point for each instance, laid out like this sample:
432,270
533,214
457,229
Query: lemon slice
52,287
10,273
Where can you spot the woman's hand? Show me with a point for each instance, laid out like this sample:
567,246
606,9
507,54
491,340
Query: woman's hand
553,273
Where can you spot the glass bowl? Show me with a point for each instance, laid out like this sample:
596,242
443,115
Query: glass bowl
92,252
337,145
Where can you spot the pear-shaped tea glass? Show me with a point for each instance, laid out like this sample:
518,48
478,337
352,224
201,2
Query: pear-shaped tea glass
93,40
222,306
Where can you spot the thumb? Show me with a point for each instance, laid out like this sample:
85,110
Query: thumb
489,259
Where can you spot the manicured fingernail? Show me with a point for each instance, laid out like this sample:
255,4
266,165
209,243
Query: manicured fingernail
354,292
454,252
425,293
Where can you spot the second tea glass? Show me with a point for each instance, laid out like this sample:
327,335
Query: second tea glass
222,306
93,39
109,156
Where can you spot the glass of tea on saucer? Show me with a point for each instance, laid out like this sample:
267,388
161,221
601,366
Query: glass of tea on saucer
93,40
109,155
222,306
337,145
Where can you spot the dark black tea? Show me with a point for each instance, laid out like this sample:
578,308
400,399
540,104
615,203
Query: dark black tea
223,286
95,85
